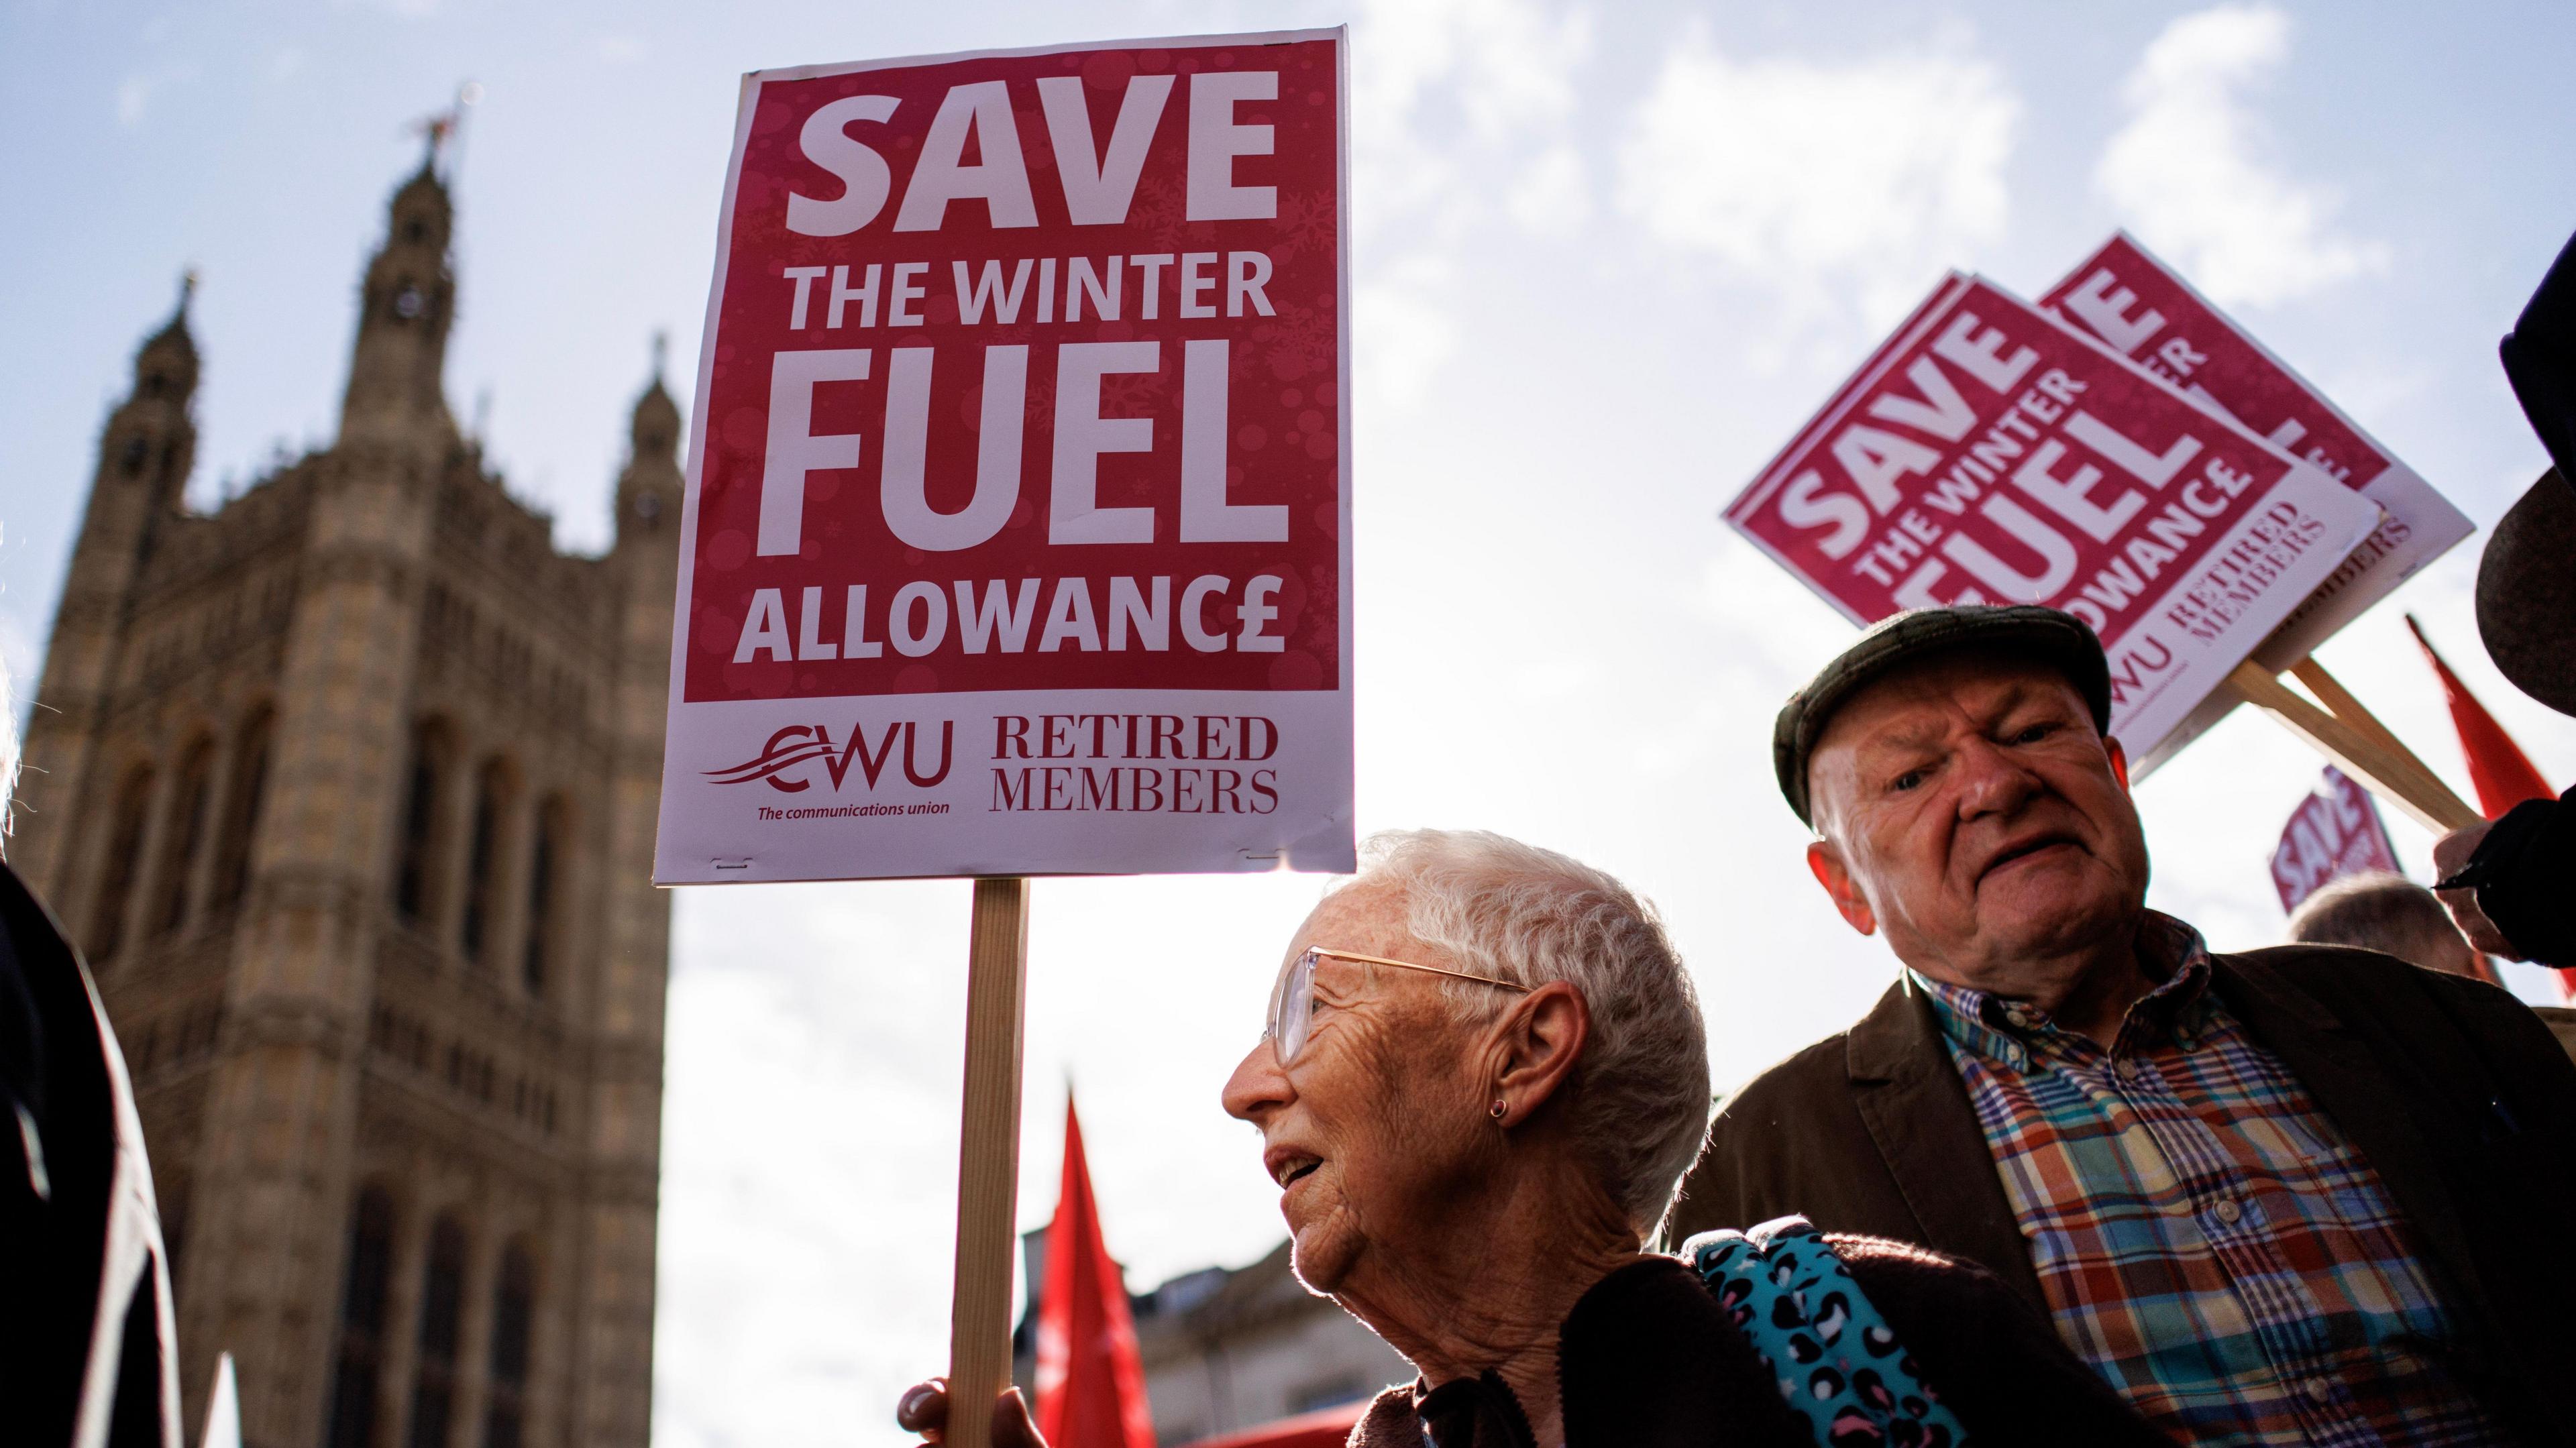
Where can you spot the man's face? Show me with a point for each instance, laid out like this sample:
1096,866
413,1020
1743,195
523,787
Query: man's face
1969,808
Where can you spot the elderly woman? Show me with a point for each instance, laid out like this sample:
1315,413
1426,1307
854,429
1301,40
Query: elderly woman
1483,1077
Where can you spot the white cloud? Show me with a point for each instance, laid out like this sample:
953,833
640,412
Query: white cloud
787,1092
2189,169
1551,197
1870,175
619,49
135,93
1404,334
812,1085
133,96
1456,106
1799,630
1516,57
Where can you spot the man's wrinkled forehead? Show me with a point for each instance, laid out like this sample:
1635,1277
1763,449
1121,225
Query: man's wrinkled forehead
1917,704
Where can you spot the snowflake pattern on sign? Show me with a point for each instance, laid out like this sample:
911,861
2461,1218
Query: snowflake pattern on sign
1259,280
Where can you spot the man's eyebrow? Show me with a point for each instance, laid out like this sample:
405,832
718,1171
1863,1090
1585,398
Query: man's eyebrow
1924,732
2023,694
1920,734
2013,695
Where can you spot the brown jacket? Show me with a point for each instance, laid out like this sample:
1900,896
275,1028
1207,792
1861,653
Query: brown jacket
2454,1091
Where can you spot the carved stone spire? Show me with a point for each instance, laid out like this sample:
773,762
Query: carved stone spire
406,305
648,492
150,442
145,451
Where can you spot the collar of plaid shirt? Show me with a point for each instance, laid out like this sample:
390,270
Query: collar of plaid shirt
2207,1239
2014,1032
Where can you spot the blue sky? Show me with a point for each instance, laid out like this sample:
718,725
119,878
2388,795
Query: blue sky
1607,258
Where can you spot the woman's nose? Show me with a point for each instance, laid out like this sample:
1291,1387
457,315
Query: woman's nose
1257,1085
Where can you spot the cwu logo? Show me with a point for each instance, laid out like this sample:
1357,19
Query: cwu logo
797,745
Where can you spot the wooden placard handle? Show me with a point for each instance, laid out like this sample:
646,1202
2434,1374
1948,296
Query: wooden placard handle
2337,726
2339,702
988,1159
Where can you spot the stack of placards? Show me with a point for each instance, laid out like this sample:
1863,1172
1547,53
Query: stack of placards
2122,451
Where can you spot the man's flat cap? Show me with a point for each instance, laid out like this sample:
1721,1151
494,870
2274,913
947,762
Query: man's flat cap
2042,635
2526,590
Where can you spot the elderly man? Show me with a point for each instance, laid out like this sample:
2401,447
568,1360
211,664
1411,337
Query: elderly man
2294,1196
2395,916
2390,914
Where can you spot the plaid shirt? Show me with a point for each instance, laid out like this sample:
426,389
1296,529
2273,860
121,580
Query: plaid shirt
2207,1239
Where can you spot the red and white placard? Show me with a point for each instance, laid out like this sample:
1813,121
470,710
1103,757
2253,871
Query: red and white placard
2336,831
1017,536
2144,309
1988,452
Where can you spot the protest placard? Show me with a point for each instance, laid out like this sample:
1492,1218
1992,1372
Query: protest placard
2145,310
1990,452
2336,831
1017,527
1017,532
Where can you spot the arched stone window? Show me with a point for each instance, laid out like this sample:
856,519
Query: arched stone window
362,1322
416,861
442,1310
242,801
116,872
180,835
545,889
514,1310
483,864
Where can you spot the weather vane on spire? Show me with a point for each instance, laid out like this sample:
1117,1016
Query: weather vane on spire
445,129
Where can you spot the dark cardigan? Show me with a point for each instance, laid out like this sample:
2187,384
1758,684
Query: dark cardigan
1647,1359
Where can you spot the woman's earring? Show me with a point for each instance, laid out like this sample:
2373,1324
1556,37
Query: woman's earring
1498,1110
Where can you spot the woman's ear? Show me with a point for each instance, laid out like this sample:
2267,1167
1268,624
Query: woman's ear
1543,1036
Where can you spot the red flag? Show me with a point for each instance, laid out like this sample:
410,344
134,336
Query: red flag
1091,1387
2501,773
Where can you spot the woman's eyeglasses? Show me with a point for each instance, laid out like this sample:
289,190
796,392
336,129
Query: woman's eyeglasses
1292,1003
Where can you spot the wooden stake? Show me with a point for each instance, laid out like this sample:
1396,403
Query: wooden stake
2345,732
2340,703
988,1160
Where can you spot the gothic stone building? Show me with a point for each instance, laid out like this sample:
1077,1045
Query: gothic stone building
347,789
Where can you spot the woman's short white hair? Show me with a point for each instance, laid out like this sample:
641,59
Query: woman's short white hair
1497,907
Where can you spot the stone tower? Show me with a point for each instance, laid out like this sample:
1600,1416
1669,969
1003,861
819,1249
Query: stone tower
347,789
